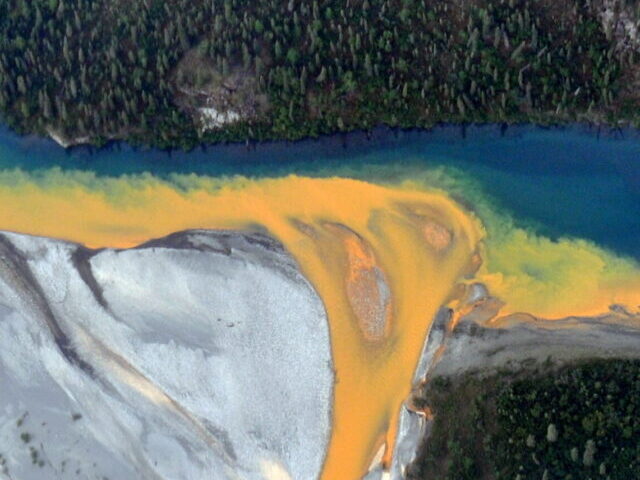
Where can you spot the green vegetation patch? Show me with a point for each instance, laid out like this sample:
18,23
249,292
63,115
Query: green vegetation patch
573,422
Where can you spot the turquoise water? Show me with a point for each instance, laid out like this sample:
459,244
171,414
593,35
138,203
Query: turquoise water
574,181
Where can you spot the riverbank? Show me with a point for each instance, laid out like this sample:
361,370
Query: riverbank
474,354
371,135
533,421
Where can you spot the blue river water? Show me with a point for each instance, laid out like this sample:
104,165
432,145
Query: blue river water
573,181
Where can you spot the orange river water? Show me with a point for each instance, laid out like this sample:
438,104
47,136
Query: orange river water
383,260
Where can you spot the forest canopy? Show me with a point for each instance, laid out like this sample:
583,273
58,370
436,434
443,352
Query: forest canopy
179,72
572,422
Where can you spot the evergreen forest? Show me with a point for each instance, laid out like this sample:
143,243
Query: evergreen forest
176,73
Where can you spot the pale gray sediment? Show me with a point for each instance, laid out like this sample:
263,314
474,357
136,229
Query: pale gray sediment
413,426
202,352
210,352
471,347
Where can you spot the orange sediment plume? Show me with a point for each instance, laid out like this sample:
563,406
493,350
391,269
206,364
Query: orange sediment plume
382,260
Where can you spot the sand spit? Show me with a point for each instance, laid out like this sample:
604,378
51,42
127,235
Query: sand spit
202,352
480,342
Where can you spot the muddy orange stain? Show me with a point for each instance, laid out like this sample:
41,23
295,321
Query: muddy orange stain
366,285
420,241
352,240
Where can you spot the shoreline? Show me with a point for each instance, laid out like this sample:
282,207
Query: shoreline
338,139
470,348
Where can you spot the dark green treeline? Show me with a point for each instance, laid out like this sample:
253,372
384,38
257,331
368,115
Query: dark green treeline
576,422
129,68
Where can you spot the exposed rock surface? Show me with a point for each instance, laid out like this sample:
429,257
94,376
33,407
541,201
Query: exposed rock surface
202,355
